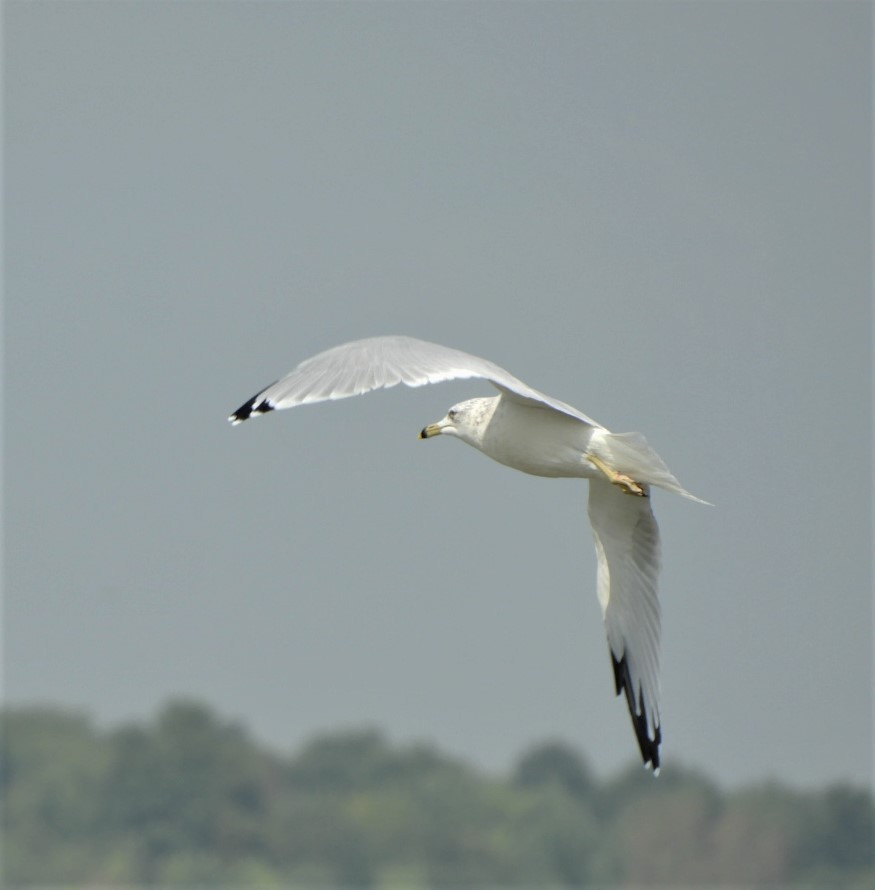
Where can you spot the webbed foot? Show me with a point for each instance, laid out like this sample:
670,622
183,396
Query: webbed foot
625,483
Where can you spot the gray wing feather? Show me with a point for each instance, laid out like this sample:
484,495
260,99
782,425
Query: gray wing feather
381,362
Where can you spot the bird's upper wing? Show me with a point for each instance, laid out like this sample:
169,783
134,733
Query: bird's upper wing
627,546
380,362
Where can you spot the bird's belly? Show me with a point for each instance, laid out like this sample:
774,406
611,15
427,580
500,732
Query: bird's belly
539,442
572,465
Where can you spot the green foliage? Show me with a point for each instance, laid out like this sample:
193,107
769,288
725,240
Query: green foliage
556,763
191,799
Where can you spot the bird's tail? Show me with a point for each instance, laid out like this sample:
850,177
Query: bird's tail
630,453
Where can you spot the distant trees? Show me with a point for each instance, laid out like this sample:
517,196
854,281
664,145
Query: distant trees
191,798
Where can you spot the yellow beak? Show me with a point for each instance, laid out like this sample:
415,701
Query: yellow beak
433,429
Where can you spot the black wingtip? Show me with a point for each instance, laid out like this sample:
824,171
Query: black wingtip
247,409
649,746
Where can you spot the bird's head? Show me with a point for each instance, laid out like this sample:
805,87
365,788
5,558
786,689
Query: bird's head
466,421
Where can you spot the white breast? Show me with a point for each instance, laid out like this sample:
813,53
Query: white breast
537,440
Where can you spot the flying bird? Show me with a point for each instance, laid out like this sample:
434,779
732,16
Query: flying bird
532,432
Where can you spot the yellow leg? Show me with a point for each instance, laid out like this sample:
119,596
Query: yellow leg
625,483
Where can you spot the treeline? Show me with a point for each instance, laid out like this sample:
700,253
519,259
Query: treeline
191,799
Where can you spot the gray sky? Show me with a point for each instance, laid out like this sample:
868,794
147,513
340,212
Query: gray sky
660,213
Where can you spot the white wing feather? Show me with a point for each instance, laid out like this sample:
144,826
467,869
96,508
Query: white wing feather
381,362
627,545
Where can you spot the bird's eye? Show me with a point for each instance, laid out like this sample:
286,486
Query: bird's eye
451,413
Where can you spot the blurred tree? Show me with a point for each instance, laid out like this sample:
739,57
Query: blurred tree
555,762
52,761
191,799
192,783
341,762
837,834
310,835
556,837
662,835
752,840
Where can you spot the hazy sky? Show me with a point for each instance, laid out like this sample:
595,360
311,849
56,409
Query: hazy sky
658,212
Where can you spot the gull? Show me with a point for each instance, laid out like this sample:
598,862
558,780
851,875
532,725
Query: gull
536,434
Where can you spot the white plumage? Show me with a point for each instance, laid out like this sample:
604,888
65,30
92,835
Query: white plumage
534,433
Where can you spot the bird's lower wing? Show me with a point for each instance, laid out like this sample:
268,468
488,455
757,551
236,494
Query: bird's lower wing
627,546
381,362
